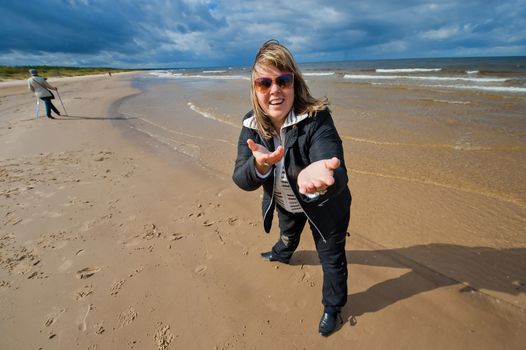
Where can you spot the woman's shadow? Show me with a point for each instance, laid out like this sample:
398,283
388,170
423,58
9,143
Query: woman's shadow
433,266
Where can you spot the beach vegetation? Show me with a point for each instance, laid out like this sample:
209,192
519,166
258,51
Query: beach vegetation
21,72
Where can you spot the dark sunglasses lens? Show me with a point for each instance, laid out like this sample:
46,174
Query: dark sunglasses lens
263,83
285,80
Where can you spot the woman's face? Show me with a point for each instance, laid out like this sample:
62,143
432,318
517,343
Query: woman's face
277,100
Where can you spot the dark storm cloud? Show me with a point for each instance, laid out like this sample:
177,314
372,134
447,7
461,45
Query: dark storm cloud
163,33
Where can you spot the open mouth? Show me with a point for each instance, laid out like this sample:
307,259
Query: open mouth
276,102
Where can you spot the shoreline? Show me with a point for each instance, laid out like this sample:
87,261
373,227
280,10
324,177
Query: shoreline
106,244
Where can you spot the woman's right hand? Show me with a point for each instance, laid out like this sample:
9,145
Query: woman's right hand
264,158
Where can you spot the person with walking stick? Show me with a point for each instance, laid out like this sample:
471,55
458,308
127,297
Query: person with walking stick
41,89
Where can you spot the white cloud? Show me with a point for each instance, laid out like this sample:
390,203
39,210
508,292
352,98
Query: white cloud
440,34
188,42
392,46
79,2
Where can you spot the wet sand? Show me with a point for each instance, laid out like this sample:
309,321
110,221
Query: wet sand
122,229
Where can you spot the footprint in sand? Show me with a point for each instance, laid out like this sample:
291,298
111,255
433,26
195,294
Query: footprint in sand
87,272
83,292
232,220
53,316
99,328
163,337
200,269
116,287
126,317
136,271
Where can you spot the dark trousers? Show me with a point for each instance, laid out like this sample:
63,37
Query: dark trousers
331,254
49,106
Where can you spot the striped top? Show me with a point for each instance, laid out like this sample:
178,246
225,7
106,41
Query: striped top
283,194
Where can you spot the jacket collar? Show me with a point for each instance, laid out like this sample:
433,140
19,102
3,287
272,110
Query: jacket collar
292,119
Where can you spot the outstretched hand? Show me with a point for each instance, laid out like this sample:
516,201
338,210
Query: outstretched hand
318,176
264,158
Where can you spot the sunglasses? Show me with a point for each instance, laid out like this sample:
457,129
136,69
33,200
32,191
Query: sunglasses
284,81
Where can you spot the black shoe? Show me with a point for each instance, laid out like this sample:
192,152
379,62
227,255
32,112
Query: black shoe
328,323
50,117
268,256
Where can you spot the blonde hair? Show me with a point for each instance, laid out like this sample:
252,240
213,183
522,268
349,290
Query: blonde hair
274,54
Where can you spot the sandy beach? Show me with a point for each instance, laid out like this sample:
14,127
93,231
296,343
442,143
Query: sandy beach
121,228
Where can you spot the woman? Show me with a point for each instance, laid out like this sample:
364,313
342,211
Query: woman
289,145
41,89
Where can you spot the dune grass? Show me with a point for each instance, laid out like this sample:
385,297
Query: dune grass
21,72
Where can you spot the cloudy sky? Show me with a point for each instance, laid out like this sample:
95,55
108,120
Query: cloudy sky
207,33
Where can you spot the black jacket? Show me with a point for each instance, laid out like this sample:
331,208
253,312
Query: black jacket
310,140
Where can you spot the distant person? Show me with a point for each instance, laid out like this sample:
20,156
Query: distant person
109,73
41,89
289,145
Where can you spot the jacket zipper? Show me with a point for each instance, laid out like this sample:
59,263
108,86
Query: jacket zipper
271,197
307,215
299,202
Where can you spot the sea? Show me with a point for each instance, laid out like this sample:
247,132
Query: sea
495,74
465,105
435,151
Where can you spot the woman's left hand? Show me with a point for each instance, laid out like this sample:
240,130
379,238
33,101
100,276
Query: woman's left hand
317,176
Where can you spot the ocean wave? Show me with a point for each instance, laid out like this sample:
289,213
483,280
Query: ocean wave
408,70
199,76
484,88
164,74
213,71
172,143
317,73
209,115
175,132
452,102
472,72
228,77
403,77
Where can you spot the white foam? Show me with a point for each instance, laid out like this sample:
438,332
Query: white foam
403,77
165,74
213,71
209,115
484,88
372,77
472,72
161,74
453,102
313,74
408,70
229,77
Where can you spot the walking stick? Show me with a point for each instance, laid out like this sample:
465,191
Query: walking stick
62,103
